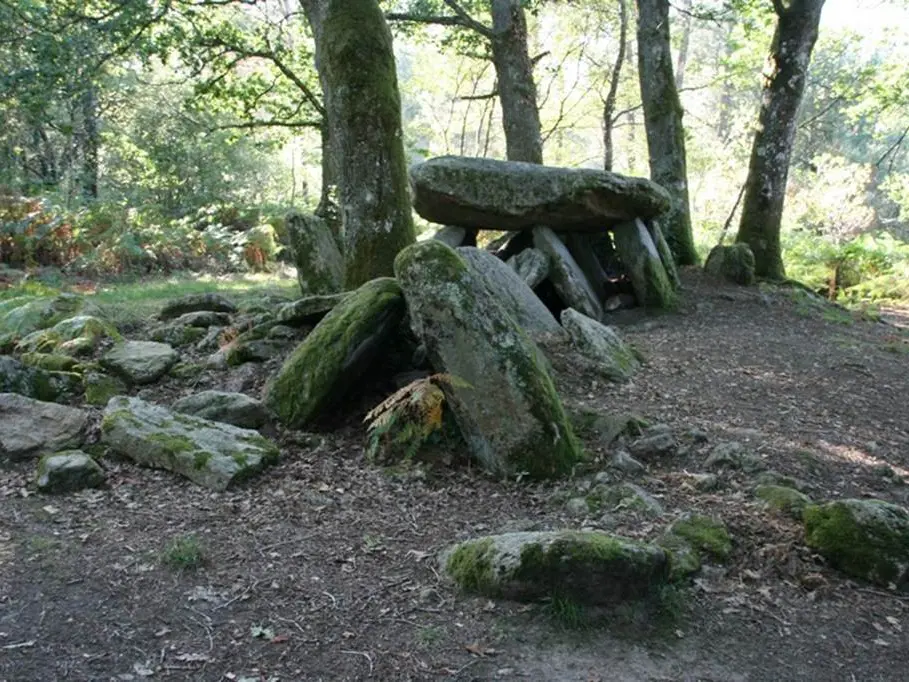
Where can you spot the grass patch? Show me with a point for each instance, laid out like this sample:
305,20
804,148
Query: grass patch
568,614
183,553
429,636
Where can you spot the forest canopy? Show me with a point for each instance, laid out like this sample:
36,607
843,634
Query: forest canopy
141,124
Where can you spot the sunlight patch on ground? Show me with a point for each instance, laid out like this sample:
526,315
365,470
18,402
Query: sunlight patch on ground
853,455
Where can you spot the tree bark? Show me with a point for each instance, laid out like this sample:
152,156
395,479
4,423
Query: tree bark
612,95
357,67
771,151
663,122
517,90
91,143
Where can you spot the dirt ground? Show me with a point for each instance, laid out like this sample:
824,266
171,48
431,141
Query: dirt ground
323,568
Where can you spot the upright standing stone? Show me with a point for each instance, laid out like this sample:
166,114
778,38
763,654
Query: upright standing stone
644,265
567,276
504,400
320,266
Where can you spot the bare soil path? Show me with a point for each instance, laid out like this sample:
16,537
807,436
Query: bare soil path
323,568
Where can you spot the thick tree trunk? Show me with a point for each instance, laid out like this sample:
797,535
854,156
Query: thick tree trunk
663,121
357,68
768,171
517,90
612,95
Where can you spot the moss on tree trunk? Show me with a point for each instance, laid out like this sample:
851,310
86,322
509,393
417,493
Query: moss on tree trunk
357,66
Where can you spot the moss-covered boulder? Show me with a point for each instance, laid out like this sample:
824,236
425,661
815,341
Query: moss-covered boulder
592,568
566,275
784,499
706,534
652,285
734,262
177,335
504,400
35,382
507,195
53,362
867,539
212,454
68,471
320,265
336,353
505,286
100,387
616,360
222,406
191,303
30,428
140,362
29,317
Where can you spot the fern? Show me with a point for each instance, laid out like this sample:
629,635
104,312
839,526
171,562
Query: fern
402,423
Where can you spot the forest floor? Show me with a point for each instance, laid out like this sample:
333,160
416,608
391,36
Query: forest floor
323,567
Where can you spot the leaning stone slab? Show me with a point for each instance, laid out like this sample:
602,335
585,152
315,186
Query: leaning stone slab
336,353
505,286
68,471
569,280
309,309
504,402
191,303
734,263
140,362
651,283
508,195
30,428
35,382
615,358
867,539
320,265
212,454
581,248
238,409
591,568
532,265
668,260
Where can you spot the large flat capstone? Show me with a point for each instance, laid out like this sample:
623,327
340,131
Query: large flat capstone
510,195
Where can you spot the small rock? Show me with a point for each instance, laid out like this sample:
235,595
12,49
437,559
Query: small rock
140,362
725,455
624,497
704,533
100,388
783,499
203,318
68,471
627,464
697,435
231,408
577,506
657,441
733,262
705,482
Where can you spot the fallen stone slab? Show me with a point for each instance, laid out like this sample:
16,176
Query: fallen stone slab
336,353
588,567
210,453
140,362
30,428
509,195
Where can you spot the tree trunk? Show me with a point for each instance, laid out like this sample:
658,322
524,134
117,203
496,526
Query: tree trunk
91,143
784,86
517,90
663,122
682,60
357,68
611,96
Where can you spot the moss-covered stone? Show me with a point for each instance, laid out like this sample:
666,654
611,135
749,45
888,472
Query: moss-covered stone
40,313
50,361
194,302
30,428
37,383
705,534
212,454
336,353
626,497
320,265
734,263
685,559
781,498
100,388
615,359
590,567
68,471
177,335
140,362
504,400
867,539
